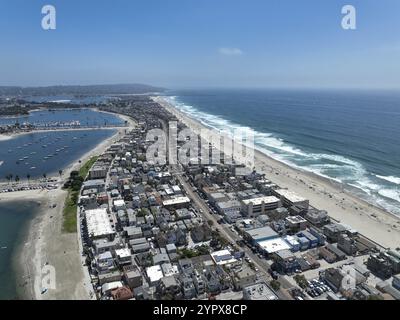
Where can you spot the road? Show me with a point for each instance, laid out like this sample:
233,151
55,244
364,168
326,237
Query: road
202,207
232,237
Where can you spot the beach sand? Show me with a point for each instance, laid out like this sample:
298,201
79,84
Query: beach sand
325,194
46,243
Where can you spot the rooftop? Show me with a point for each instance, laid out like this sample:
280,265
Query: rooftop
154,273
289,195
259,291
98,223
177,200
274,245
260,200
262,233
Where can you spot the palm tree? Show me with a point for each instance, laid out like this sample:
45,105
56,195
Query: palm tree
28,176
44,175
17,178
60,172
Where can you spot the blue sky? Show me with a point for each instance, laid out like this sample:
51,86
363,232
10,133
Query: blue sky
204,43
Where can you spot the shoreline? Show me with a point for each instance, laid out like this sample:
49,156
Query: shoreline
45,241
9,136
371,221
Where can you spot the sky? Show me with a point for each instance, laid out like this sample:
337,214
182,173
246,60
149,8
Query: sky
201,43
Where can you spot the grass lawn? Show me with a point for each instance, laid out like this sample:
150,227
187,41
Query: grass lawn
71,202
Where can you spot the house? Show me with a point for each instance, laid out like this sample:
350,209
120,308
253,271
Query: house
108,287
168,287
199,282
333,230
259,291
105,262
122,293
133,232
119,205
285,261
187,286
228,207
154,275
171,248
201,233
318,218
123,256
333,278
223,257
296,223
213,284
132,276
244,277
160,258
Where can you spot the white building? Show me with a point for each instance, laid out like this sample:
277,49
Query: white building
290,198
223,257
154,274
119,204
178,202
257,206
98,223
124,256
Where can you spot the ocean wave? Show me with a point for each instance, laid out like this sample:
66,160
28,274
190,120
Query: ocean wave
334,167
390,194
392,179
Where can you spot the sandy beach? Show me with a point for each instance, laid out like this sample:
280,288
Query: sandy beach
377,224
47,246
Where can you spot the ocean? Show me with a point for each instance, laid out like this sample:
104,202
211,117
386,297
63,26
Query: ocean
351,137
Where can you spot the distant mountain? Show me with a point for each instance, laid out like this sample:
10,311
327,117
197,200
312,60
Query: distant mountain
80,90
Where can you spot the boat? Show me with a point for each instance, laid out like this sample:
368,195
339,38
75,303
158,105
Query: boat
33,168
3,248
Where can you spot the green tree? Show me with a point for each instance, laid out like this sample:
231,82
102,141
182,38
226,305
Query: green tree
276,285
301,281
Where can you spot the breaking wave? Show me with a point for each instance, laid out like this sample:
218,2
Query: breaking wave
379,190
